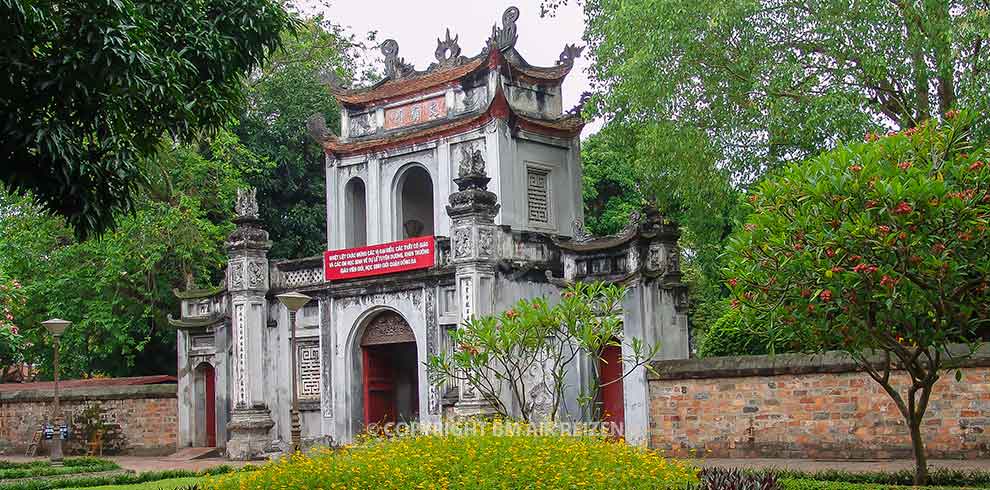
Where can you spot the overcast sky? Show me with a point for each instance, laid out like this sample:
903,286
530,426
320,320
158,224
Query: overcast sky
417,24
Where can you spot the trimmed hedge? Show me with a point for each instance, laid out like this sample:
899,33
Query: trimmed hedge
803,484
119,479
11,471
938,477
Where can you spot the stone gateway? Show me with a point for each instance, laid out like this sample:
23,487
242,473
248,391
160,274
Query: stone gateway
474,155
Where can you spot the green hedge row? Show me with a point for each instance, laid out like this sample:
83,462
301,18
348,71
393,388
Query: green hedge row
118,479
10,471
938,477
801,484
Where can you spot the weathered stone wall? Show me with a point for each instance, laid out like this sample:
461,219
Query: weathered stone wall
793,406
145,413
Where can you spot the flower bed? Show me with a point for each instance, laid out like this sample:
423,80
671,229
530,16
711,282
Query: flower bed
481,460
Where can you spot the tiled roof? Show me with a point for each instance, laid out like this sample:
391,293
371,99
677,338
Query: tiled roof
407,86
68,384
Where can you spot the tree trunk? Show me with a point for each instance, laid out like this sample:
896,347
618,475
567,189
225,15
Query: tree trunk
920,458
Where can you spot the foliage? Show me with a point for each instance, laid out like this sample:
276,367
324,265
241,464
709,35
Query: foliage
12,302
611,190
289,89
490,457
118,479
789,484
728,336
86,426
672,167
943,477
881,248
734,479
117,289
91,86
498,354
9,471
770,82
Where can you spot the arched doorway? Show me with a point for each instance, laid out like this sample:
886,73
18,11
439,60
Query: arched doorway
610,376
415,203
389,370
206,405
355,214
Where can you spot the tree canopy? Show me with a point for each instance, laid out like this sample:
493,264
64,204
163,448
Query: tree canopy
879,249
90,87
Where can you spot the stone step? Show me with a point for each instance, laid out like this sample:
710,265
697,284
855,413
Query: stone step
191,453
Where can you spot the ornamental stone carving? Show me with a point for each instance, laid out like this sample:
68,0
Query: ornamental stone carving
395,67
431,344
570,53
255,275
462,243
486,242
247,203
472,162
387,328
505,37
448,52
237,275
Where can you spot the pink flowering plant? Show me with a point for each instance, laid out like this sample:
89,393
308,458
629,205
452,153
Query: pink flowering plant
12,300
879,248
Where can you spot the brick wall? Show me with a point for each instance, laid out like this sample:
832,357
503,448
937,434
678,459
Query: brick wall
793,406
145,413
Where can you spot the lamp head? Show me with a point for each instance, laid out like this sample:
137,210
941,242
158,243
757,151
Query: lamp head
293,301
56,326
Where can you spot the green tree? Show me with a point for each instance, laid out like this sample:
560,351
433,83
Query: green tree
117,288
12,303
91,86
881,248
289,89
770,82
498,354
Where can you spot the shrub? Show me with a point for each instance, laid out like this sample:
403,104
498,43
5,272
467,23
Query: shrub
728,336
478,460
736,479
10,471
115,479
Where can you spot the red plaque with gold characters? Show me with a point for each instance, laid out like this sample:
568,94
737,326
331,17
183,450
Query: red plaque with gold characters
416,113
375,260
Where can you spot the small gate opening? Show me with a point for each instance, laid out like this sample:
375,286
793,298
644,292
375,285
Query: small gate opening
206,403
610,376
390,371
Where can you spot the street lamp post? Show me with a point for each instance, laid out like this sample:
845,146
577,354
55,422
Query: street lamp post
294,301
56,327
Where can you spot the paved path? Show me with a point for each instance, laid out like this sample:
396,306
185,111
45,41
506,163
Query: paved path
852,466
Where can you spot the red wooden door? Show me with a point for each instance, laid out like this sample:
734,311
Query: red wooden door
610,369
210,380
379,387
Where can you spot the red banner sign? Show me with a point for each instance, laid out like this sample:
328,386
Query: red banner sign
405,255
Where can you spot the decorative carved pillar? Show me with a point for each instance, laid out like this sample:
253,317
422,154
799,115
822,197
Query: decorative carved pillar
247,284
474,252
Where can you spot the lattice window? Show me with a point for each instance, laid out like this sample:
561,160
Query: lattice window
308,357
538,194
303,277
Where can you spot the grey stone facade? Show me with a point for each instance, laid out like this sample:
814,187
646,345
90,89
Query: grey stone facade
476,152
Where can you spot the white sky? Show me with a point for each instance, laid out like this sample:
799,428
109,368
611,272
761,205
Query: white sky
416,25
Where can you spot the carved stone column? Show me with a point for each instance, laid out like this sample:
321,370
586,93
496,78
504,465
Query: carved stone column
247,283
474,252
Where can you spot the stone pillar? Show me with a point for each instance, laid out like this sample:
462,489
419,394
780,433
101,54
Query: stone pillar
247,284
474,252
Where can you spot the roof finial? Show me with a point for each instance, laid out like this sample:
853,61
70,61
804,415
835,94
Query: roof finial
448,52
505,37
570,53
395,67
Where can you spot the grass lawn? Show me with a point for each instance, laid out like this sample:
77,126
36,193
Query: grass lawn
168,484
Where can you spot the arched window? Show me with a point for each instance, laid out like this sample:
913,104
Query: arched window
415,193
355,214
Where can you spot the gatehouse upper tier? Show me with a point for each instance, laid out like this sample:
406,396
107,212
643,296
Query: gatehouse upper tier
390,171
